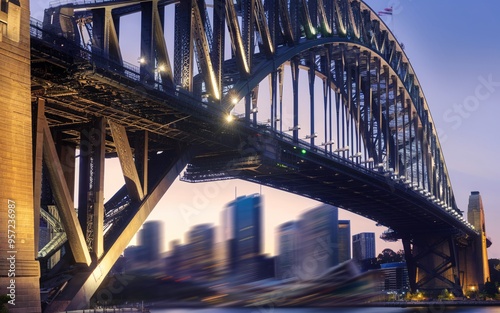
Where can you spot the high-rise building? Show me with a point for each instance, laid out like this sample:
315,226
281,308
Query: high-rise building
201,239
363,246
151,239
242,223
318,229
344,240
288,250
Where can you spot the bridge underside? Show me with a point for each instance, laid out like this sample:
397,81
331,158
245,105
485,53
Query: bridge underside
434,248
152,130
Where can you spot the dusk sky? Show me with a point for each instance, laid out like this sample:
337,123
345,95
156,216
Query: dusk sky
454,48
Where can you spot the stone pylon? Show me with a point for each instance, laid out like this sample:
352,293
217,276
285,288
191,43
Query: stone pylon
19,271
475,216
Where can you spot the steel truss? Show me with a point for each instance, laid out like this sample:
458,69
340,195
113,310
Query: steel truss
377,126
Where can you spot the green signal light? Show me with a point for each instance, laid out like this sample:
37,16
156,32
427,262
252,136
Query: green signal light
303,151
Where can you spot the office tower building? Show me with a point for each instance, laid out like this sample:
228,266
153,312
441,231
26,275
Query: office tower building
344,240
288,250
318,229
201,239
363,246
242,223
151,240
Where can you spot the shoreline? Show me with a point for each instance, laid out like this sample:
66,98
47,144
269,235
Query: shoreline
401,304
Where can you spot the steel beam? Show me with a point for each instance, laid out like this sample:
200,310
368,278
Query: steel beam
63,199
126,158
91,194
86,283
105,36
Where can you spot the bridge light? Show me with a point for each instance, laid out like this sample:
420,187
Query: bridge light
303,151
234,100
141,60
328,143
229,118
255,109
370,160
314,135
297,127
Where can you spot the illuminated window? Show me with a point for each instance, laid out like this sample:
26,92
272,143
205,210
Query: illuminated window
3,6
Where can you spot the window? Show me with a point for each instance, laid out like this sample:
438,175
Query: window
3,6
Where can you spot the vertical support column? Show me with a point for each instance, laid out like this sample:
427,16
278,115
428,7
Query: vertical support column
183,48
105,36
38,114
141,159
312,76
91,185
387,129
248,20
147,57
358,80
218,40
410,264
396,161
19,272
295,81
281,77
273,95
404,169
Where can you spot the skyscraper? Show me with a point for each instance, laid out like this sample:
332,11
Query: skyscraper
344,240
318,230
151,239
288,250
201,239
242,223
363,246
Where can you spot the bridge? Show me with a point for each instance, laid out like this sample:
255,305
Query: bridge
313,97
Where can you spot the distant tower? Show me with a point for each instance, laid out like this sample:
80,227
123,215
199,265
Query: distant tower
242,222
288,245
475,215
201,239
363,246
344,240
151,239
318,233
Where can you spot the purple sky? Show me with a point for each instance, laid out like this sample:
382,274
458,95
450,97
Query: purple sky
454,48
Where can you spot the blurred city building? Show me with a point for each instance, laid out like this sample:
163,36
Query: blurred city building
242,232
151,240
288,250
201,257
344,238
319,242
363,246
313,244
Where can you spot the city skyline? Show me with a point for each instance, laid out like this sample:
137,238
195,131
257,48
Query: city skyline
457,66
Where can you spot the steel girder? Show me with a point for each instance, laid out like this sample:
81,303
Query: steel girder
383,120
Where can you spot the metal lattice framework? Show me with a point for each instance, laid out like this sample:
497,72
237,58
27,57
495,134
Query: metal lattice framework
380,111
365,118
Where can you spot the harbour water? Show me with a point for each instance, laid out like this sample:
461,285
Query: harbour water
438,308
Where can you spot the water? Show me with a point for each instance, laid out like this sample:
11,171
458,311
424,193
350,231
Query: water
439,308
